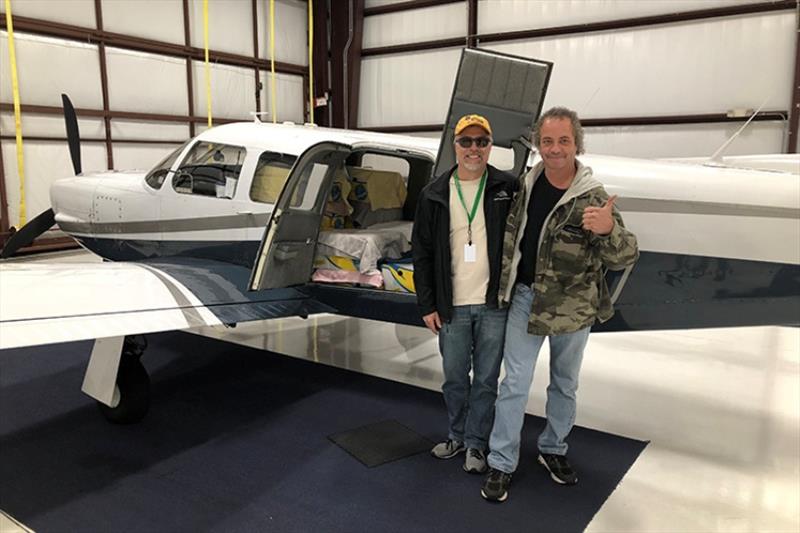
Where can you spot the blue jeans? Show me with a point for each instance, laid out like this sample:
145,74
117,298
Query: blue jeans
519,358
473,339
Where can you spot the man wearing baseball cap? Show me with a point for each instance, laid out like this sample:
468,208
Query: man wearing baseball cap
457,246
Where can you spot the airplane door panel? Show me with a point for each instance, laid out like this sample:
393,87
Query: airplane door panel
508,90
286,255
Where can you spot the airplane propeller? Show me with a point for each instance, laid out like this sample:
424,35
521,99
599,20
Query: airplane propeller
46,219
73,134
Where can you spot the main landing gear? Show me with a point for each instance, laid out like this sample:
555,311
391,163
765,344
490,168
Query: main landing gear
117,380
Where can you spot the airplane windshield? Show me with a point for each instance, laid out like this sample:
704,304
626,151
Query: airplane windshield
155,178
210,169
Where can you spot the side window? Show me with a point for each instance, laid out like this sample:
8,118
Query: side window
210,169
270,176
156,177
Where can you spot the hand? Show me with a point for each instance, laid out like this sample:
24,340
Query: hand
600,220
433,322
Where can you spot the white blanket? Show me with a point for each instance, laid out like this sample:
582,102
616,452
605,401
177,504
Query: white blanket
388,240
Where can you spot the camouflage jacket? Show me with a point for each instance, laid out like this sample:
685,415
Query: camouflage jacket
570,291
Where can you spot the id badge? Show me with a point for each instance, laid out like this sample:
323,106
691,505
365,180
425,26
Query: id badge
470,255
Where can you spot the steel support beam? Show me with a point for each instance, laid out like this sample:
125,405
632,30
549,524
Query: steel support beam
472,23
5,223
794,110
347,22
101,52
187,39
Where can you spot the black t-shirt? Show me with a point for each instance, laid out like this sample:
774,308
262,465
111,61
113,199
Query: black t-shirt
543,198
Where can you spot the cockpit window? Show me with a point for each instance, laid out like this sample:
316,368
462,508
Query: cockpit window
155,178
270,176
210,169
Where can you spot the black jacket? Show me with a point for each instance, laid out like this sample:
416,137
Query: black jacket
430,241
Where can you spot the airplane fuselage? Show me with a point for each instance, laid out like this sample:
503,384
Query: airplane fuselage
716,243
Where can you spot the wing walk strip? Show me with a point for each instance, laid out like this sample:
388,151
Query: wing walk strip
191,314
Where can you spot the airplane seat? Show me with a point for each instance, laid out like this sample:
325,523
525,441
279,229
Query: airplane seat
377,196
268,182
337,208
204,187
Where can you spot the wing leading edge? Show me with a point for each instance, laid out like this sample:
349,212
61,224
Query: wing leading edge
50,303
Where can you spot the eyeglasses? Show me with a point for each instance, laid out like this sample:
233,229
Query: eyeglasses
480,142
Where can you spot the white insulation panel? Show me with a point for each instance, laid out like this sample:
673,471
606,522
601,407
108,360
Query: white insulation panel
160,20
686,140
75,12
162,131
50,126
708,66
417,25
703,67
129,156
514,15
47,67
404,89
230,26
291,31
233,92
288,97
45,162
143,82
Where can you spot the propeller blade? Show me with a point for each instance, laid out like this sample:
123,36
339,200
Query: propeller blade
73,135
27,233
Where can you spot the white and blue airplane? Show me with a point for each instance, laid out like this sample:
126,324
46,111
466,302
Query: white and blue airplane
227,227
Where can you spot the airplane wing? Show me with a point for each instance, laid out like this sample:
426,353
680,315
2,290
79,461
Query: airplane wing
50,303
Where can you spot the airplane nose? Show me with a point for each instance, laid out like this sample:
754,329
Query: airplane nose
72,198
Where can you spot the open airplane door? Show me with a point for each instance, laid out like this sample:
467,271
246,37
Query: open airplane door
286,255
508,90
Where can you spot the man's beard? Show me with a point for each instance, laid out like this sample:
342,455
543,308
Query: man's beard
473,167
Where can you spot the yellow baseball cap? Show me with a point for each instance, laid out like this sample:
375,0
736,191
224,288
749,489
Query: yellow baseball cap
472,120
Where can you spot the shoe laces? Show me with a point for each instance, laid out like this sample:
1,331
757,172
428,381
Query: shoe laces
560,461
476,453
496,476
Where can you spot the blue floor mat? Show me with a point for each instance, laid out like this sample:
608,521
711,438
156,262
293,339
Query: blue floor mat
236,440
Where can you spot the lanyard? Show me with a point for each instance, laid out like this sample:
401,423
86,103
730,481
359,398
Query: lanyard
470,214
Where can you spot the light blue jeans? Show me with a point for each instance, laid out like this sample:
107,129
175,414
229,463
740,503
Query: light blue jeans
473,339
519,357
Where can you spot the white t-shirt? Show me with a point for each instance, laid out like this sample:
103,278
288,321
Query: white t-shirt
470,280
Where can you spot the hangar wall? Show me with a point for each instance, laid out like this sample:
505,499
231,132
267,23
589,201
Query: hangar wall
711,66
151,83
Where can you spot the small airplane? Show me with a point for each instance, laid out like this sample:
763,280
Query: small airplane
251,221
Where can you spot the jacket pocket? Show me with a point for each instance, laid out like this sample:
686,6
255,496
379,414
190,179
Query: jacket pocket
569,255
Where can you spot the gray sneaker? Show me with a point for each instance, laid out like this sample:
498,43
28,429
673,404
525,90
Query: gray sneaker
447,449
475,463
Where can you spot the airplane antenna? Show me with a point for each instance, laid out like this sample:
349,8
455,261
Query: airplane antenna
717,156
257,115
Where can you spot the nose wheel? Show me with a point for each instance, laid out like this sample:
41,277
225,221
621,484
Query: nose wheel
131,399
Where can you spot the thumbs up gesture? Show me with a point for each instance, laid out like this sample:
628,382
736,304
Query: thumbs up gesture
599,220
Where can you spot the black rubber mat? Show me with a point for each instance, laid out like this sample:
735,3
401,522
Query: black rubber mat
381,442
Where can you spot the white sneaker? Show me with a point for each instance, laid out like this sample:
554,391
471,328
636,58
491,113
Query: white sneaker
447,449
475,463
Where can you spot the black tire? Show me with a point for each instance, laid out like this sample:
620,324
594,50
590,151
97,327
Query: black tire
133,384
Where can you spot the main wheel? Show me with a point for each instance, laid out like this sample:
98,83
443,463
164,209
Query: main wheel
131,399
